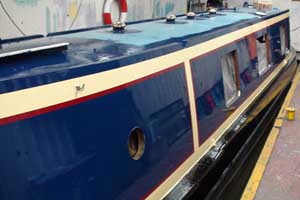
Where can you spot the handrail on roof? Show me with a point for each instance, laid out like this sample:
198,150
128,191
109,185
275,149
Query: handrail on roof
46,48
19,39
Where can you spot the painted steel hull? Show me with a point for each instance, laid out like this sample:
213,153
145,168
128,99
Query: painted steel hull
58,142
208,180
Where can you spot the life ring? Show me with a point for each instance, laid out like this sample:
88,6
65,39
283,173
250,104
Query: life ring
107,11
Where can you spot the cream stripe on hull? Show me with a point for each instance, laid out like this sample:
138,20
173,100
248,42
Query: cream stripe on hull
12,103
191,93
52,94
174,178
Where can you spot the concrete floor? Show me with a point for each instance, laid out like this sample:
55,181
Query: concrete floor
281,179
276,175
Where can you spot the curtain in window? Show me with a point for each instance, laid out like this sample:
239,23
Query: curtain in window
229,79
261,57
282,40
252,46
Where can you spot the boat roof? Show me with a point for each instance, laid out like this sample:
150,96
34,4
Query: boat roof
148,33
99,46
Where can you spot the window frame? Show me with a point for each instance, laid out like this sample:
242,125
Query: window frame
268,48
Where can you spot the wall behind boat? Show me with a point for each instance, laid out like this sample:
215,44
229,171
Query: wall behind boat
27,17
292,5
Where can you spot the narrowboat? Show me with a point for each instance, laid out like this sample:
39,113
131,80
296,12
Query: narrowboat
128,112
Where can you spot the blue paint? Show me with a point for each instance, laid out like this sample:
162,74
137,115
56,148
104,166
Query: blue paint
274,33
70,152
77,152
156,31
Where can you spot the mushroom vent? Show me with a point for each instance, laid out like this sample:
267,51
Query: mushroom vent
171,19
119,27
212,11
190,15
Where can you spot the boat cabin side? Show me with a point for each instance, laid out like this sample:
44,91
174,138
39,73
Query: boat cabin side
133,131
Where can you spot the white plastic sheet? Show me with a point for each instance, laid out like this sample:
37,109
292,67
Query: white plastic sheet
282,40
262,66
231,92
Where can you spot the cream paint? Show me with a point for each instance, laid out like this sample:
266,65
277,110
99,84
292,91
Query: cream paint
32,50
190,87
52,94
49,95
174,178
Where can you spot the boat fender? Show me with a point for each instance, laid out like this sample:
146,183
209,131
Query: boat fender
107,11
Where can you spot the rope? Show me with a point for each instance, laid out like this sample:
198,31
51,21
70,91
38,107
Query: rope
295,29
11,19
76,16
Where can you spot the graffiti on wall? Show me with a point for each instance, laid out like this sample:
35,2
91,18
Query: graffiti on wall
44,16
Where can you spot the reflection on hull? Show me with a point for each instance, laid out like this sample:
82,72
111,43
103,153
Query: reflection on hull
134,123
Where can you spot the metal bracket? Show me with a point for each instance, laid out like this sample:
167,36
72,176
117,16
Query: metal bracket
80,88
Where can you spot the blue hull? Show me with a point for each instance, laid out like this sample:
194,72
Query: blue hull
77,148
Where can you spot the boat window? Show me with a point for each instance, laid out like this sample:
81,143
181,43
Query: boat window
230,75
263,59
250,60
283,39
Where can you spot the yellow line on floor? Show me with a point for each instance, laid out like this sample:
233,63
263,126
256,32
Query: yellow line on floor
257,174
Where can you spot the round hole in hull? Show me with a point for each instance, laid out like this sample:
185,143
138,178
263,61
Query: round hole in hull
136,144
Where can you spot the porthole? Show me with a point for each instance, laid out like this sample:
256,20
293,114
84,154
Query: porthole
136,144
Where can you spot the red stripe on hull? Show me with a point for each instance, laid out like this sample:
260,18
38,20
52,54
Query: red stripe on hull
44,110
